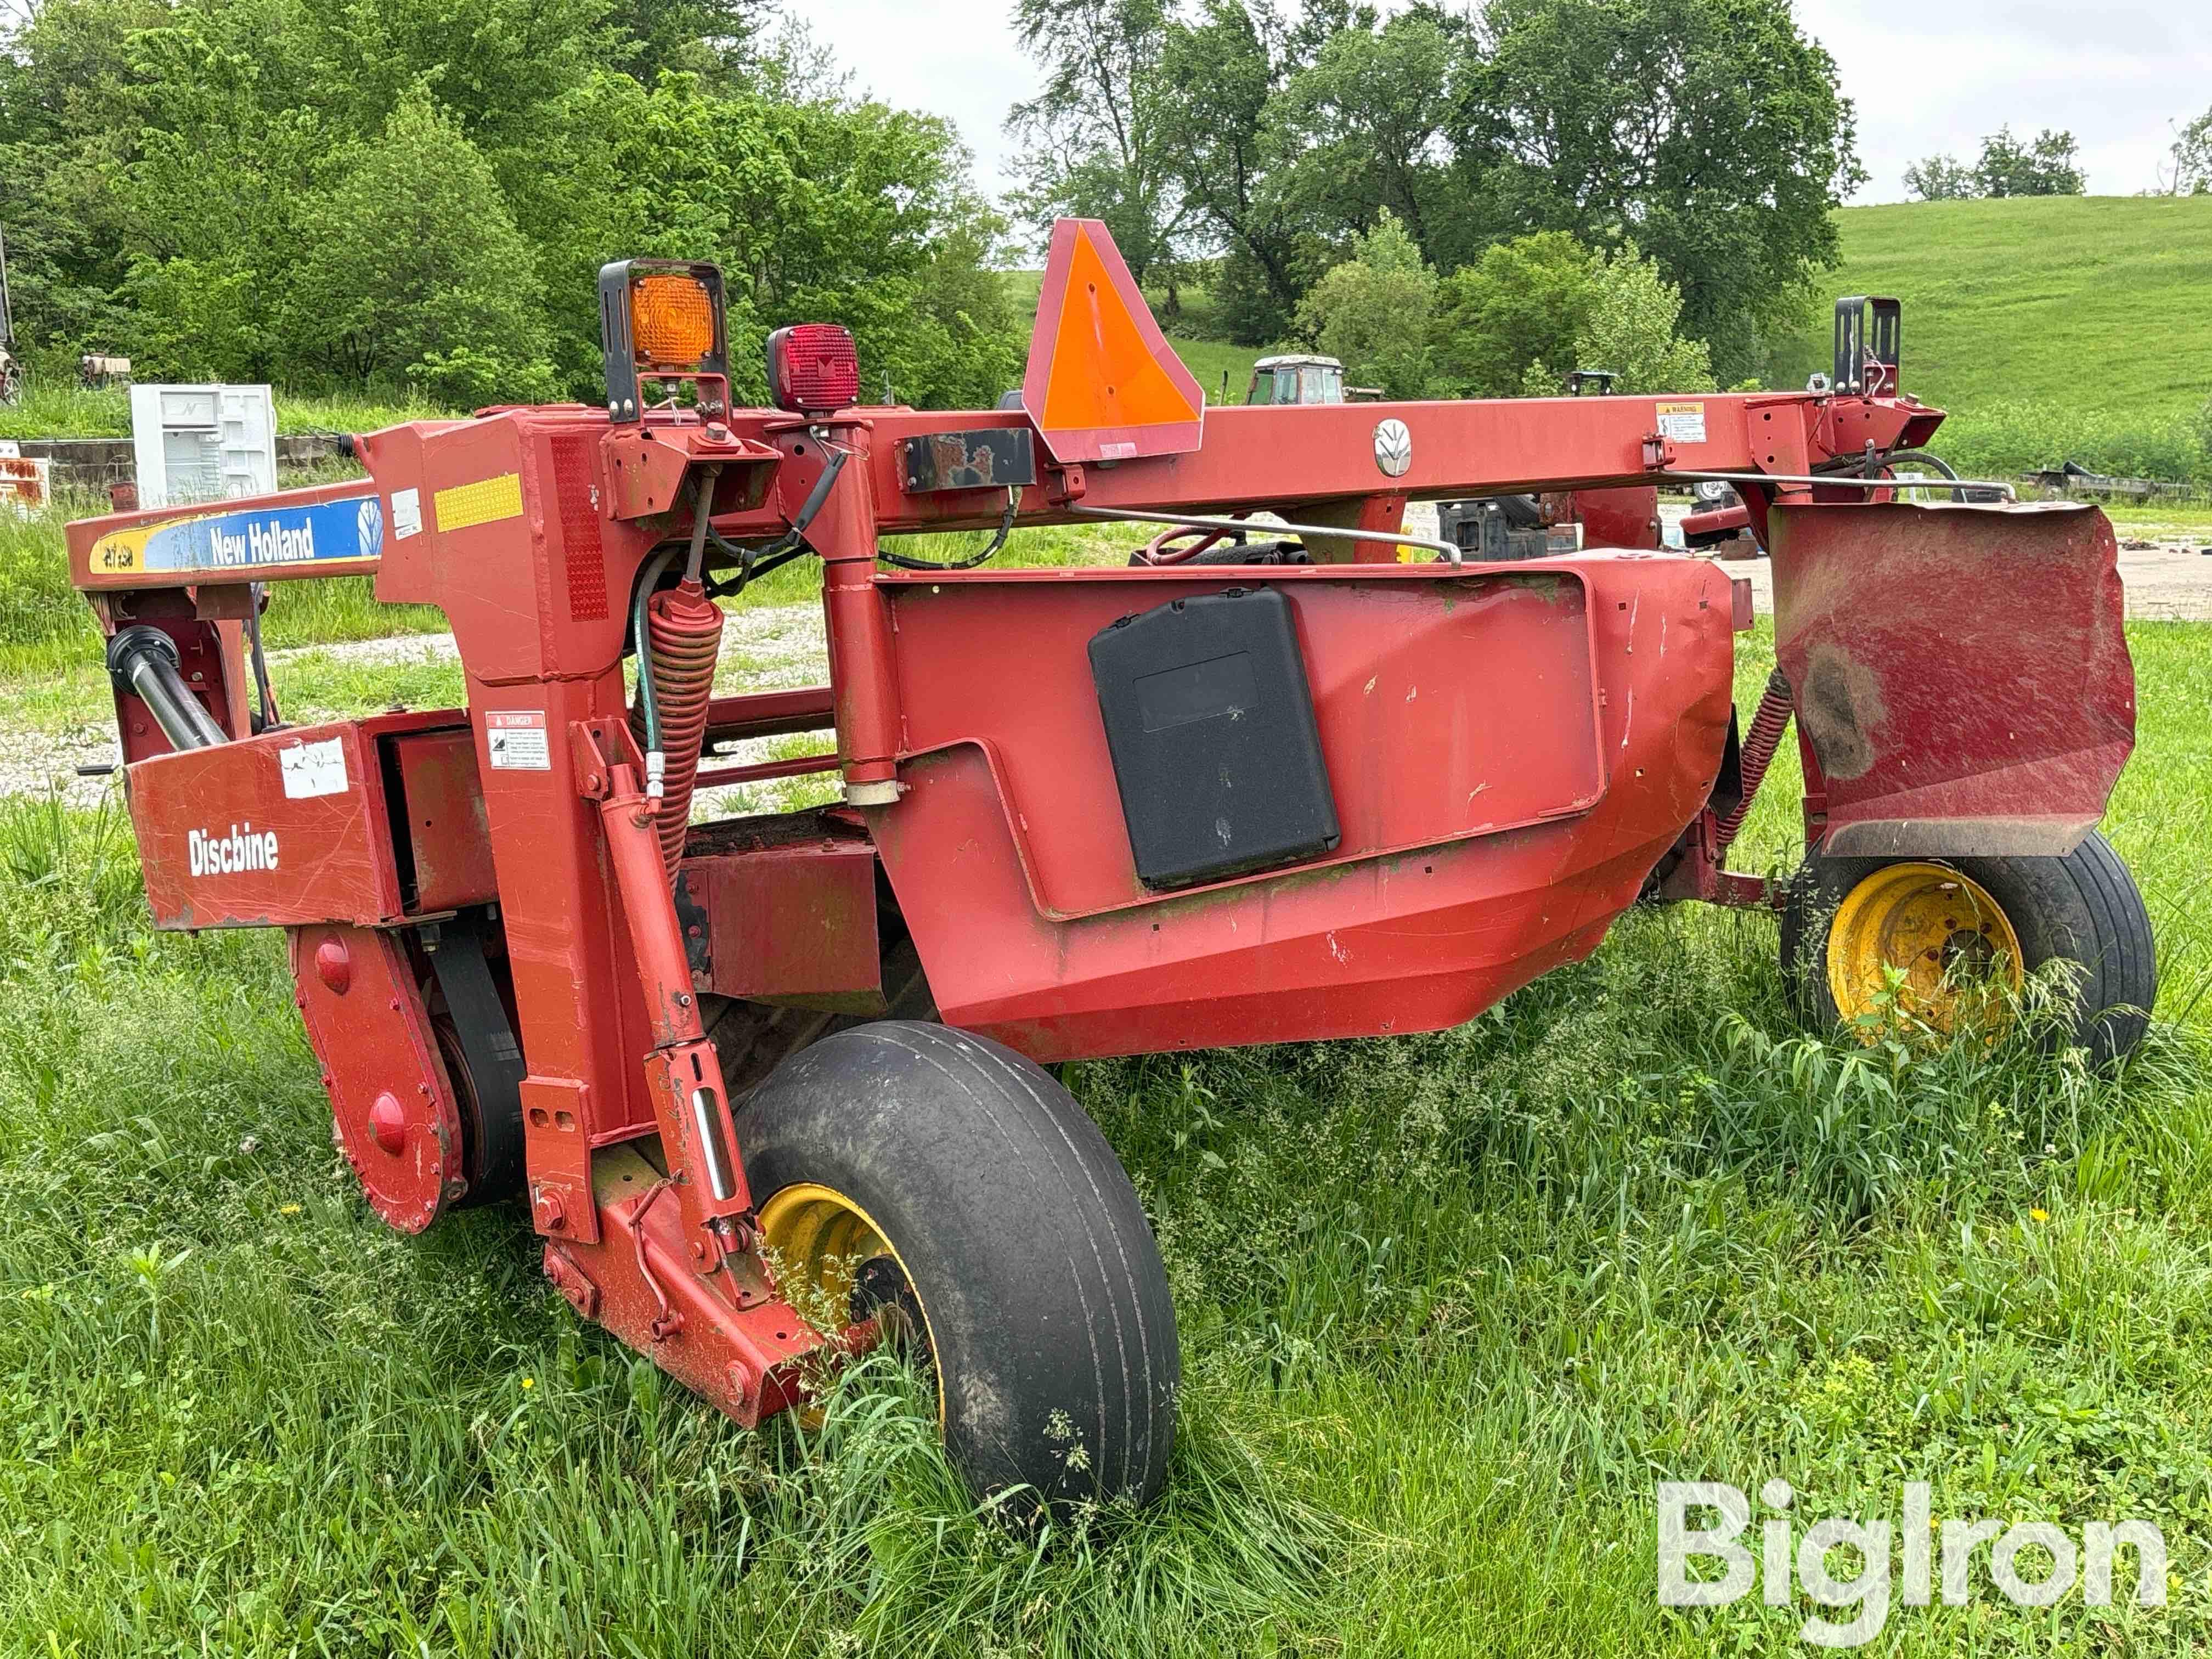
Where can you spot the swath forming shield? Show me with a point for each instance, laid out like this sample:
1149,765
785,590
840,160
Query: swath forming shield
1960,671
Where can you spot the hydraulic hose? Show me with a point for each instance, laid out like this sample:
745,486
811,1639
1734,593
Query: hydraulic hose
646,721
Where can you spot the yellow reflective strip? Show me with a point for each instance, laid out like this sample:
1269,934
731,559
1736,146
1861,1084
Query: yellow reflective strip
485,502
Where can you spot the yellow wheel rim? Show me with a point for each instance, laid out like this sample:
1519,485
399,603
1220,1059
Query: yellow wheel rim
820,1242
1951,941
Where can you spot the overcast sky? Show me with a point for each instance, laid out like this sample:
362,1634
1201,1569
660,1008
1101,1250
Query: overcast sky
1934,76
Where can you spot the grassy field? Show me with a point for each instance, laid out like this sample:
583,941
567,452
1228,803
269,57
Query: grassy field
2021,313
1451,1305
2095,300
60,410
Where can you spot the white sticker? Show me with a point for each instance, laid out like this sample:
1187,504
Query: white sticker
1682,423
10,450
313,768
516,737
406,513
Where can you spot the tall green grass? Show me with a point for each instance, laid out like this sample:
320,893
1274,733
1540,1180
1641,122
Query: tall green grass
54,408
2005,438
1451,1305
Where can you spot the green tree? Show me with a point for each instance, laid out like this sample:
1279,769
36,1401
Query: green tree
1373,312
1093,133
1523,301
2189,169
314,191
1370,112
1710,131
2047,165
1231,152
1941,178
1633,329
414,268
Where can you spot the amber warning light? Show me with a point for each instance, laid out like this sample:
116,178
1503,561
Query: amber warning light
662,319
672,321
813,368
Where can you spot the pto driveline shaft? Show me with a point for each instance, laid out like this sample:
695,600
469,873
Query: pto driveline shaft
144,660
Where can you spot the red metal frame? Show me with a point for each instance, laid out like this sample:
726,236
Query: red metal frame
1514,749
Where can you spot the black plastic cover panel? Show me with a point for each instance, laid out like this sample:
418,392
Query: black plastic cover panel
1211,725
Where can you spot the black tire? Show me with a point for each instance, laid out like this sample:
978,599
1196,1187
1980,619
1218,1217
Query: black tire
1037,1279
2083,907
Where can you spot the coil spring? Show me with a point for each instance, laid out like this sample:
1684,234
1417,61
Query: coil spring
684,630
1759,743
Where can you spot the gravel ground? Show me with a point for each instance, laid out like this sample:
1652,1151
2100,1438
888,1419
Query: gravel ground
2167,571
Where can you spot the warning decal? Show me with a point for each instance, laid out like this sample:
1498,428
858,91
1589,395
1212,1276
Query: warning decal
313,769
1682,423
516,739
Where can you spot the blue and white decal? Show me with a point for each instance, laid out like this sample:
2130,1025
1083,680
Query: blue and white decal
350,528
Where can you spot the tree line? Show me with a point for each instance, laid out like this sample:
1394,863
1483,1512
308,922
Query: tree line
382,194
1263,146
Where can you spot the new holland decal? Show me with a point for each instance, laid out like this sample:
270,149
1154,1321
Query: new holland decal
348,528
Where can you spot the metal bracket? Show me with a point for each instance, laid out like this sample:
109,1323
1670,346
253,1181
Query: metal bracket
983,458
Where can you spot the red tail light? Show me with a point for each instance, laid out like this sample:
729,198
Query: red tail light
812,368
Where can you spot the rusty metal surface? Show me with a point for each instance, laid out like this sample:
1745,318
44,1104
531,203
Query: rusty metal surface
1960,672
978,457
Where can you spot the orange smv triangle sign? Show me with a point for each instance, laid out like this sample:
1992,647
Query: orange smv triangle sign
1103,383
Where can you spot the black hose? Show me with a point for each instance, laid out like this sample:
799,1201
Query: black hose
1855,464
266,693
1005,529
648,581
753,562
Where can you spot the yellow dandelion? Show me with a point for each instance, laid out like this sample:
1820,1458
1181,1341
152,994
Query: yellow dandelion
288,1209
2039,1215
527,1383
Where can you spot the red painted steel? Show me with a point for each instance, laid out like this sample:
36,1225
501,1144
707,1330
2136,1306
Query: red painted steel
1512,750
224,845
1990,719
1486,837
1619,518
783,911
398,1123
442,803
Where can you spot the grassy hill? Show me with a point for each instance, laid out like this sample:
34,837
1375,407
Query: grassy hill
2100,301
